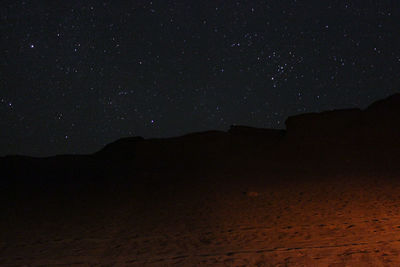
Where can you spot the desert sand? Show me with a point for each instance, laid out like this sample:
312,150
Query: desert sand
219,218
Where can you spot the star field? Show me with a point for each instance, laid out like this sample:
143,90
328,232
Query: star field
75,75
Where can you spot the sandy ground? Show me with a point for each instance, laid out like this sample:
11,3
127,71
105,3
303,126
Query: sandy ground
243,218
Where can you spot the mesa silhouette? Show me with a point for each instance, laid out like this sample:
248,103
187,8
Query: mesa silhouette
351,139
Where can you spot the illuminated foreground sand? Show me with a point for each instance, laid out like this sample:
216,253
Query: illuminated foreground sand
242,219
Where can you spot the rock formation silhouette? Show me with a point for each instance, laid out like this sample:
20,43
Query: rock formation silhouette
335,139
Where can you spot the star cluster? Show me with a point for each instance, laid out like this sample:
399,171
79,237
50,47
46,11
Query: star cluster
75,75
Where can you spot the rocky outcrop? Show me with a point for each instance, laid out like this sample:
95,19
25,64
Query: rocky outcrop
124,148
377,124
205,148
325,127
238,130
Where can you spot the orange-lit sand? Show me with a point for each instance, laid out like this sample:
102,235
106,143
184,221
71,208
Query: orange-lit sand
280,218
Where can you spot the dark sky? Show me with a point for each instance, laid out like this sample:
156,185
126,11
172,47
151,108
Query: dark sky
75,75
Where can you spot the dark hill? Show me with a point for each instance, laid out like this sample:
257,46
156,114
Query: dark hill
191,150
351,138
376,125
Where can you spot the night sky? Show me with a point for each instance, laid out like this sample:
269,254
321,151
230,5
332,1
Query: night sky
75,75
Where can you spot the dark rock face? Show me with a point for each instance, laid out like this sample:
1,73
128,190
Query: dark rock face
210,146
255,132
329,126
389,104
382,120
367,138
160,152
379,123
121,149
